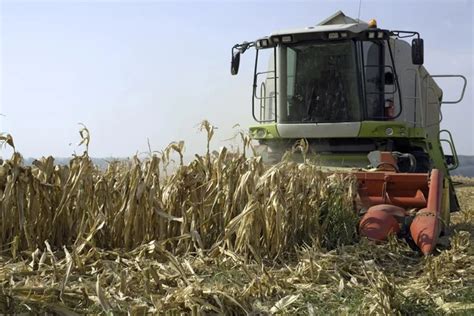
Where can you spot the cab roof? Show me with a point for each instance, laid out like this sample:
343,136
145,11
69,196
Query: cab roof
336,22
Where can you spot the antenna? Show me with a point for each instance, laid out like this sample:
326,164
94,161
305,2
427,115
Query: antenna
360,5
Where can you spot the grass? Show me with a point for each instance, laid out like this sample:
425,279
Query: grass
223,234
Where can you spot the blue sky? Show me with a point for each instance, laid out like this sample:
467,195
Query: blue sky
133,71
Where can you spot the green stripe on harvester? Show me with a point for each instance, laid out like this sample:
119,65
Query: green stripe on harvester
389,129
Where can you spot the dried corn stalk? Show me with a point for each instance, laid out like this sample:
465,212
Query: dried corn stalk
223,234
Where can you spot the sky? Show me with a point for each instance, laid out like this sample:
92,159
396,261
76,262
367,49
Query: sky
150,71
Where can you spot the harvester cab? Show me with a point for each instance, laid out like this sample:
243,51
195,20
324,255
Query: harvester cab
361,98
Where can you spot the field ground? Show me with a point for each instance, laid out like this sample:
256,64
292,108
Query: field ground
355,278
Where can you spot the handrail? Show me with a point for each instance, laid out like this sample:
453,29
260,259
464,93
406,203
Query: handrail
395,89
254,89
263,103
435,103
463,88
451,145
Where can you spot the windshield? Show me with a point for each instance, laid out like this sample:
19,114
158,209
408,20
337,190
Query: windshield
322,83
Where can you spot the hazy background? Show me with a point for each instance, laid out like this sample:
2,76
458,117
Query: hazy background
137,70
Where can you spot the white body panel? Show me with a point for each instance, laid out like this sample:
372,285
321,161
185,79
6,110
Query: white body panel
319,130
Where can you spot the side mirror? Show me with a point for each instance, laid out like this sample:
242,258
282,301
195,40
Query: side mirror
235,62
417,51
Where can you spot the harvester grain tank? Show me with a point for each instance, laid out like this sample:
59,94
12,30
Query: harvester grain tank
360,96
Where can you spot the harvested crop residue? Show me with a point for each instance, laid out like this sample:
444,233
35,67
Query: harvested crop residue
222,234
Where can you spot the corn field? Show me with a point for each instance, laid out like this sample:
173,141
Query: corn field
222,234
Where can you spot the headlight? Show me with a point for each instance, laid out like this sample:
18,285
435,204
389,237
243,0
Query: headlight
287,39
261,133
262,43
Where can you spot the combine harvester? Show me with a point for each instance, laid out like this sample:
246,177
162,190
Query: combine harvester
365,104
